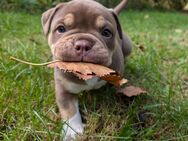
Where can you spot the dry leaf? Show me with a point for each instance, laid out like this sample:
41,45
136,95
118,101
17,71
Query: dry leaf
142,48
82,76
82,70
131,91
86,71
114,79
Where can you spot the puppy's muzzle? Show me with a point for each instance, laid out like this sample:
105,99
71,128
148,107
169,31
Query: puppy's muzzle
82,47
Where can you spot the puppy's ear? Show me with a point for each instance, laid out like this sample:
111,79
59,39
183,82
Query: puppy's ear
47,18
119,29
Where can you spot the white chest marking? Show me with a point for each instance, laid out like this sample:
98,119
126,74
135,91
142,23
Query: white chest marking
93,83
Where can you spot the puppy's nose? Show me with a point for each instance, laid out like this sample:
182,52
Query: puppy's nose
82,46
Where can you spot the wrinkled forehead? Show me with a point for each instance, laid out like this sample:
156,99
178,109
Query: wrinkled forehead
83,14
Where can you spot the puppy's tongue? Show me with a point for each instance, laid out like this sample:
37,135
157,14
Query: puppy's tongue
87,71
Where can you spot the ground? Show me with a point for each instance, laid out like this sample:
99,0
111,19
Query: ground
158,63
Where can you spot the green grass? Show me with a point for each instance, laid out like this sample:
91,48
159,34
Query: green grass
27,101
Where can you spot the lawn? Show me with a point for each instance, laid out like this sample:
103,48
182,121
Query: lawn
158,63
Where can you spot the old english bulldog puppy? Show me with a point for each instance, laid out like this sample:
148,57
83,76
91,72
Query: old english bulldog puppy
83,31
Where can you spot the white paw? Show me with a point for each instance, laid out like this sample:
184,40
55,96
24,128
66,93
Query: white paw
70,133
72,128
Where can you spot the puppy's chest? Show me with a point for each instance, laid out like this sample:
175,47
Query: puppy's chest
94,83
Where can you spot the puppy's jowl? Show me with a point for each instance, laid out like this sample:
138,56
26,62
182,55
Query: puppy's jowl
83,31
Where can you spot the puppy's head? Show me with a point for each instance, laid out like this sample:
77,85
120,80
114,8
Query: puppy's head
82,31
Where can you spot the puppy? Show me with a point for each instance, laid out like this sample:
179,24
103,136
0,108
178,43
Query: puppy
83,31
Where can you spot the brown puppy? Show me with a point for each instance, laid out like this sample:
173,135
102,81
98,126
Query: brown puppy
83,31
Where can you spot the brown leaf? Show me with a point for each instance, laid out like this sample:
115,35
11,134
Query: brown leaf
142,48
131,91
86,71
114,79
82,76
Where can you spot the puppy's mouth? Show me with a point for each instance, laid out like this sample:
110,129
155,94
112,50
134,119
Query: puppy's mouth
90,57
76,48
85,59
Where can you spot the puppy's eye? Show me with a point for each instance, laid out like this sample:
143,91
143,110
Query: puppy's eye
61,29
106,33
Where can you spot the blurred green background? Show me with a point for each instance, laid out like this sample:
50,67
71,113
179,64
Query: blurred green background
40,5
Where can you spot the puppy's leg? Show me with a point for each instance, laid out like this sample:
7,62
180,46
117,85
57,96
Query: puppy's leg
68,107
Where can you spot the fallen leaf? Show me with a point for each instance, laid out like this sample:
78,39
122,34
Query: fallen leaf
86,71
131,91
142,48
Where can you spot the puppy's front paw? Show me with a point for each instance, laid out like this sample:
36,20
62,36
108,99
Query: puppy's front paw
70,133
72,128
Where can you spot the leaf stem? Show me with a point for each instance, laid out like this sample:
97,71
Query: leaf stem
33,64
